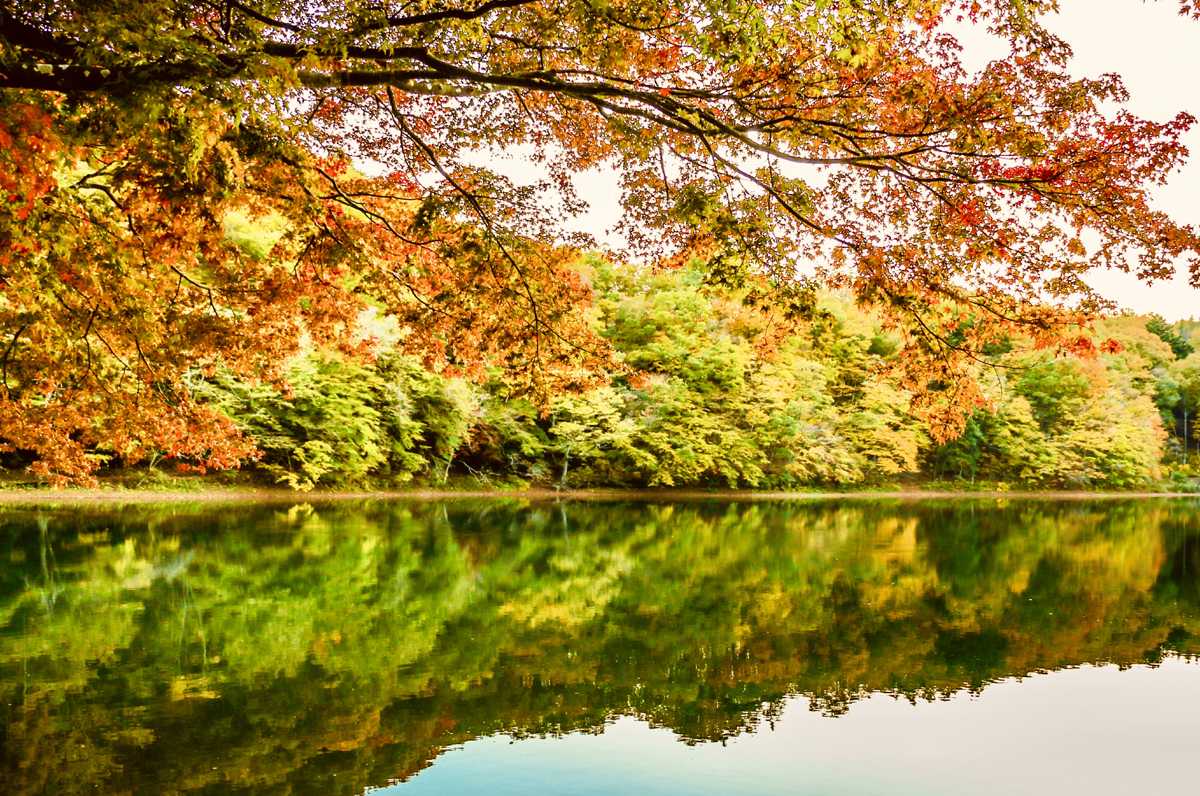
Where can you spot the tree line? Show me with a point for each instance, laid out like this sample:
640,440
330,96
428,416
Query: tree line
710,391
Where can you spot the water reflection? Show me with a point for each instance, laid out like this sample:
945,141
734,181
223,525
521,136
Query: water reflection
332,648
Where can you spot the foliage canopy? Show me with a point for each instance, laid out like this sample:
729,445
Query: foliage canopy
755,135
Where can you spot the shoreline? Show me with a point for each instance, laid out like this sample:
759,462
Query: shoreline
269,495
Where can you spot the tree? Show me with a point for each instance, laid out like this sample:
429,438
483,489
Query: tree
1167,333
1186,375
751,134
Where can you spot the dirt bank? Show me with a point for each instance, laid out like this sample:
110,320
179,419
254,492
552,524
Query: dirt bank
242,495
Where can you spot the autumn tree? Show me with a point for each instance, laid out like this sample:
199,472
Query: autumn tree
754,135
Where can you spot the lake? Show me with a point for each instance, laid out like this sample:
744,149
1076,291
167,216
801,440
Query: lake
869,646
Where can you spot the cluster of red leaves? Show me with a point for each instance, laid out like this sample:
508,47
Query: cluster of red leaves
473,305
28,147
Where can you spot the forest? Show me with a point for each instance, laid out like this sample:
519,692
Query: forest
707,394
251,234
708,390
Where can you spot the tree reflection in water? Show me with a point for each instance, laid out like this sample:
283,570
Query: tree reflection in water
327,648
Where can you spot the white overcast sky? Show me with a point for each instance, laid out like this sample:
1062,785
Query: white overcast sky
1156,52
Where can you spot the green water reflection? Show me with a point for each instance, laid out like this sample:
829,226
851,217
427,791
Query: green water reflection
332,648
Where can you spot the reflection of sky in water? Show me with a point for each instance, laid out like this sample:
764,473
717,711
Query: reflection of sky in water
1094,731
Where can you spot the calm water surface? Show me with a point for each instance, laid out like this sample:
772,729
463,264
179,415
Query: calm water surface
512,647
